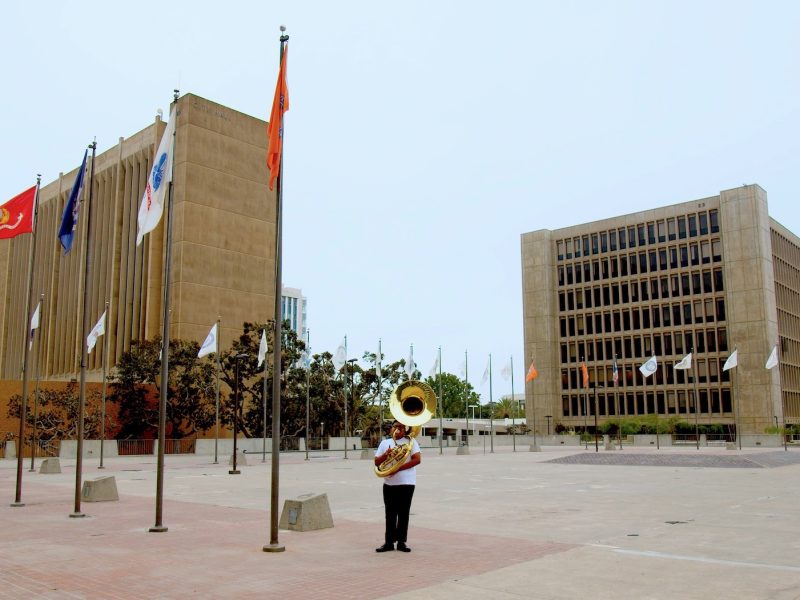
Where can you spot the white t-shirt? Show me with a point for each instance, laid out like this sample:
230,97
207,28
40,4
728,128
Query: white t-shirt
406,476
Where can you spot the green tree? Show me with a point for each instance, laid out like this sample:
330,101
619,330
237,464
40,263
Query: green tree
457,395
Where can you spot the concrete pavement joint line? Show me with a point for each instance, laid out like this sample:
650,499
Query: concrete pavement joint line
703,559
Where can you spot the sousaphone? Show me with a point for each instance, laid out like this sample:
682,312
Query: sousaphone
412,403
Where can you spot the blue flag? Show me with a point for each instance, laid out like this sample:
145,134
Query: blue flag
69,220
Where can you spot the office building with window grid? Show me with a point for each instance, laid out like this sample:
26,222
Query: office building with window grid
710,277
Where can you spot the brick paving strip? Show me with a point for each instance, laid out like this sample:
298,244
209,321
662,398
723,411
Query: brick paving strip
759,461
214,551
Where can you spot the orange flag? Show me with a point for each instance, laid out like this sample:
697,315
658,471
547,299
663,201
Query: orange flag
585,373
532,373
280,104
16,215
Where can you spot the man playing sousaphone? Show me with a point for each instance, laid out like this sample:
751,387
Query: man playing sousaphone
396,459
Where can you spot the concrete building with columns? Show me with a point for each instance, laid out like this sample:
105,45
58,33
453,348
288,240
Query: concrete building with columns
223,246
709,276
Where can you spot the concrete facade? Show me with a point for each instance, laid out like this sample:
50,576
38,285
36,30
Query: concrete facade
223,246
708,276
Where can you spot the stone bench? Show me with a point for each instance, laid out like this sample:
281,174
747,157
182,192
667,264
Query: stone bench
102,489
307,512
50,465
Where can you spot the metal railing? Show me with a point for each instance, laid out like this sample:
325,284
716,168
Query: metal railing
135,447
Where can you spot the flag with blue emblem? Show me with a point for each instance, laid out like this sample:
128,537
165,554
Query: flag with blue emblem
69,219
152,206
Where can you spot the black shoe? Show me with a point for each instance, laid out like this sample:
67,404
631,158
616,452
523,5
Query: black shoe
385,548
402,547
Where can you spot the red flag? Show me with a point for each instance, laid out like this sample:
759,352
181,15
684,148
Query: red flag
532,373
585,373
280,104
16,215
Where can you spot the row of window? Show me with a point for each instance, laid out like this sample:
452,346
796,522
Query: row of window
636,319
675,402
675,286
641,347
651,261
642,234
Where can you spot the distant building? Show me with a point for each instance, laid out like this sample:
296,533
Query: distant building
708,277
223,246
293,309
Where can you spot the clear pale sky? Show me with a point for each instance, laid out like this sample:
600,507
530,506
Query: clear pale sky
425,137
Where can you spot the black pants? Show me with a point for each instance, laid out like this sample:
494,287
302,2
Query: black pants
397,502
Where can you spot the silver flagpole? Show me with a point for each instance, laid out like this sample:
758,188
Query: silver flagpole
514,412
24,401
87,274
105,366
441,404
274,545
264,411
216,402
35,444
159,526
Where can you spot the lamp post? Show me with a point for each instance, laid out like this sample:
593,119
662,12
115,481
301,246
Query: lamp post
352,363
548,417
237,358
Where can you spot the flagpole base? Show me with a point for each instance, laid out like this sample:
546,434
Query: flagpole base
17,504
276,547
76,515
234,472
158,529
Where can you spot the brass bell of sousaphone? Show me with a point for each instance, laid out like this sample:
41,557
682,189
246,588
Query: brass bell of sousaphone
412,403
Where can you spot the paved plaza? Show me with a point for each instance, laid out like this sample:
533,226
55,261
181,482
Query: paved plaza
558,524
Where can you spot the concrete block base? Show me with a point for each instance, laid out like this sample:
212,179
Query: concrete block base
241,459
102,489
535,448
462,450
367,454
50,465
307,512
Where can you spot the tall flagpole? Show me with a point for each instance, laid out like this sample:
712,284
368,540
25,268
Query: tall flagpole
35,444
274,545
87,274
380,385
264,410
441,404
105,366
491,407
216,400
159,527
307,360
466,394
24,401
514,401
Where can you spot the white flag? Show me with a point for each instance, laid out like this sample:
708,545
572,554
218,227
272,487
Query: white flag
410,363
341,355
210,345
649,367
506,372
485,377
378,373
262,347
434,368
686,363
34,323
464,368
732,361
772,361
98,330
155,192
